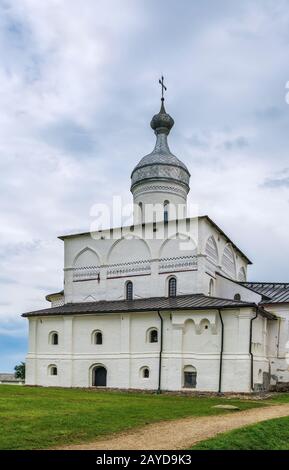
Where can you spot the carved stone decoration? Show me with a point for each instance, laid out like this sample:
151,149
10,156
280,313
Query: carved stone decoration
133,268
160,188
86,273
184,263
58,302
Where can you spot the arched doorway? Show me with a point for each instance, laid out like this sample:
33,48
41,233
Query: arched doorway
99,374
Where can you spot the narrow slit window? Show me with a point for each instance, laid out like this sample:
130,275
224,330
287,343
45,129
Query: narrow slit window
172,287
129,291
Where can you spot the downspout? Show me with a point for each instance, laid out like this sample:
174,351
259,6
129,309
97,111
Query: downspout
160,353
278,345
250,350
221,352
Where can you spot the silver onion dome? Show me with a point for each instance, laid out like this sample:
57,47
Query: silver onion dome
161,164
162,122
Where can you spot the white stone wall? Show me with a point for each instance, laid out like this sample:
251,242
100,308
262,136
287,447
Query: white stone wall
278,343
227,289
125,350
97,267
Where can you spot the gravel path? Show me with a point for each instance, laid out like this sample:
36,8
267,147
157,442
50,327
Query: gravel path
182,433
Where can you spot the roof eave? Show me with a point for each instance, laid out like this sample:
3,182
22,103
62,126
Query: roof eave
226,236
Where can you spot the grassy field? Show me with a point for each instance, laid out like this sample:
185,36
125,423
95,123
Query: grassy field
37,418
269,435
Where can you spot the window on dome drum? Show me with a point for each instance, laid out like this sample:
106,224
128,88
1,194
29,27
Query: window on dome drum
172,291
129,290
166,211
98,337
190,377
54,339
141,211
237,297
145,373
153,336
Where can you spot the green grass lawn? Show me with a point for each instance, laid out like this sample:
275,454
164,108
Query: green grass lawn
269,435
37,418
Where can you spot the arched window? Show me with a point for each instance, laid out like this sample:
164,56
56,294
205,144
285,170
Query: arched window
166,211
97,337
145,372
237,297
153,335
52,369
190,377
129,290
172,288
53,338
211,287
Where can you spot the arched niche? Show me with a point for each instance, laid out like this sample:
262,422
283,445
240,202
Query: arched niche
85,258
128,250
242,275
177,246
228,261
189,333
211,250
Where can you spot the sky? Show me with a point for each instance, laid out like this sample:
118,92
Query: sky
78,88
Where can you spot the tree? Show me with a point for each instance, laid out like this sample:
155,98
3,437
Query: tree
20,371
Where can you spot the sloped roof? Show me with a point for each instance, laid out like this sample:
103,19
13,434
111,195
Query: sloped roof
274,292
48,297
183,302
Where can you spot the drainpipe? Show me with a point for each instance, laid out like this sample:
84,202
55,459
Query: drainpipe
250,350
278,345
221,352
160,354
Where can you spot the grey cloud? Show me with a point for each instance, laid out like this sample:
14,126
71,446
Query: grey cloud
271,113
237,143
70,137
7,280
276,183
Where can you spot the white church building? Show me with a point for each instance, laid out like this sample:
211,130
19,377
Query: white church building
163,304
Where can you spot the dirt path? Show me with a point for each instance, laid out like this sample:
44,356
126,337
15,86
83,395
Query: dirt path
182,433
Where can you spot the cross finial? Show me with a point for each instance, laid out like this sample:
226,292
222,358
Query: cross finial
161,82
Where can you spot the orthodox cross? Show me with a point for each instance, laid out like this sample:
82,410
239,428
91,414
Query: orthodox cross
161,82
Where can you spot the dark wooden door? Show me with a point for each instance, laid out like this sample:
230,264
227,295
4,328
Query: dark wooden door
99,377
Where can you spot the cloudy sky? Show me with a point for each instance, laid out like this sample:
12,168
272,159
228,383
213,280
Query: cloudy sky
78,87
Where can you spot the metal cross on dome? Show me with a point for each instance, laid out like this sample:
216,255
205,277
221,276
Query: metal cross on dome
161,82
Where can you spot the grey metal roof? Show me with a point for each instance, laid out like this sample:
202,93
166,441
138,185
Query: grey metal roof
274,292
48,296
183,302
161,163
161,155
